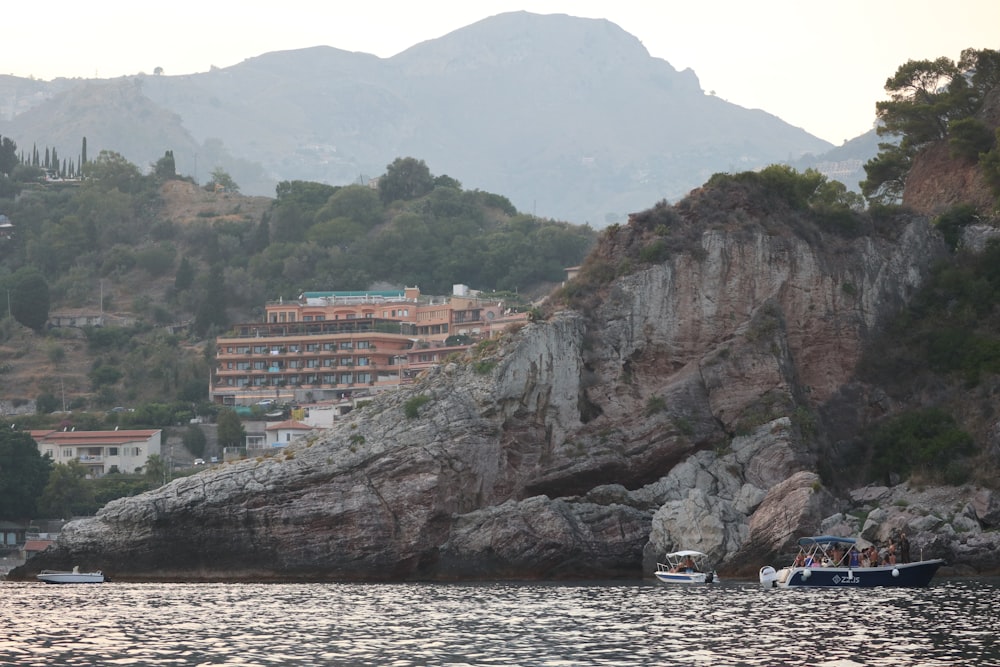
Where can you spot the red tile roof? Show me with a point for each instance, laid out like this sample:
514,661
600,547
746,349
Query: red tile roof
37,545
93,437
289,425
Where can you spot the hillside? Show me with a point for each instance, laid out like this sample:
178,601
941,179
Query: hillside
144,271
58,363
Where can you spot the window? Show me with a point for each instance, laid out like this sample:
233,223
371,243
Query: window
362,361
259,365
312,363
363,344
346,345
312,347
68,453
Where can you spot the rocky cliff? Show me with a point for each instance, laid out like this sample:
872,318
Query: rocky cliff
686,404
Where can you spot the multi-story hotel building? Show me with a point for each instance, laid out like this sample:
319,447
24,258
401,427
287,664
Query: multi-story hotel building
343,345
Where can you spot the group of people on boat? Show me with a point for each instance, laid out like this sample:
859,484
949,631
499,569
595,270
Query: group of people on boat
686,565
896,551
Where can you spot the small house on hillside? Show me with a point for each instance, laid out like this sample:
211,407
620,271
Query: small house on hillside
281,433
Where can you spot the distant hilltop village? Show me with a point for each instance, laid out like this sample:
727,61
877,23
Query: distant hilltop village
343,346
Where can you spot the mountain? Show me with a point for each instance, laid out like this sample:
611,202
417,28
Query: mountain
569,117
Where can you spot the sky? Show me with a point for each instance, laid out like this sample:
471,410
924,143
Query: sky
820,66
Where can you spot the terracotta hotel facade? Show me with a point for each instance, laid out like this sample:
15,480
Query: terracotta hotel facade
343,345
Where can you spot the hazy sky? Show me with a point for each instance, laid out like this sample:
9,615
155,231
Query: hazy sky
820,66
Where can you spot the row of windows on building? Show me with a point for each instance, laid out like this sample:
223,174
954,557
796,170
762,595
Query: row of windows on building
295,349
386,315
93,453
332,379
274,366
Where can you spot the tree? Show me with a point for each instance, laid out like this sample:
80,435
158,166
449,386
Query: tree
66,494
211,310
406,178
111,170
230,429
23,475
194,440
8,156
930,100
221,180
156,470
28,296
358,203
165,168
185,275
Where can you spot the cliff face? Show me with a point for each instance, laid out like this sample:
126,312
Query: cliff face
684,411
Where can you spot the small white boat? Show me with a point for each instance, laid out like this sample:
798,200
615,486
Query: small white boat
686,567
74,577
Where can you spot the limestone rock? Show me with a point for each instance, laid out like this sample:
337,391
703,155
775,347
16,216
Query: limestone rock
675,414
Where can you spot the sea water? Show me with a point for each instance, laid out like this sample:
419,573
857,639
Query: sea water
953,622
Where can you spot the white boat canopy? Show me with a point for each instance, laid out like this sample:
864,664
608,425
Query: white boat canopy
685,553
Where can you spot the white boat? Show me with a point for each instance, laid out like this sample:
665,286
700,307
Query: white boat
686,567
829,561
74,577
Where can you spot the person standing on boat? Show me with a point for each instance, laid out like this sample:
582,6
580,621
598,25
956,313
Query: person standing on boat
838,555
853,558
904,548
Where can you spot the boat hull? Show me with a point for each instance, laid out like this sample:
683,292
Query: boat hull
71,577
685,577
907,575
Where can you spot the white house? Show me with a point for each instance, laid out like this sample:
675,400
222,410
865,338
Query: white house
281,433
99,451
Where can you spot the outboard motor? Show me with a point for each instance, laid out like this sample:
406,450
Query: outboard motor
768,577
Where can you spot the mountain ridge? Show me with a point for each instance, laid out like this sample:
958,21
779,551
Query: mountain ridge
569,117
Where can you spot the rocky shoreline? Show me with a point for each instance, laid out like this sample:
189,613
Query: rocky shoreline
690,408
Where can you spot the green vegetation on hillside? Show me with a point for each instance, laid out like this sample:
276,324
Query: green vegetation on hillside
933,100
78,244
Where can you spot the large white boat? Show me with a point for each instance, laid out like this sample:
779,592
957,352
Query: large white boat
831,562
74,577
685,567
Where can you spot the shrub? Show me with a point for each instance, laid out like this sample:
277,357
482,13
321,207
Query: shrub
926,440
654,404
412,407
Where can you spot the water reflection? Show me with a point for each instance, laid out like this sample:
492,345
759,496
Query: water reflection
639,623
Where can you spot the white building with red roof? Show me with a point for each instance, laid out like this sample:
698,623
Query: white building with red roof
282,433
100,451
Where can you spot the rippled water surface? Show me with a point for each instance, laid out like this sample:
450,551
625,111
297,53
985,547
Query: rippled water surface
954,622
